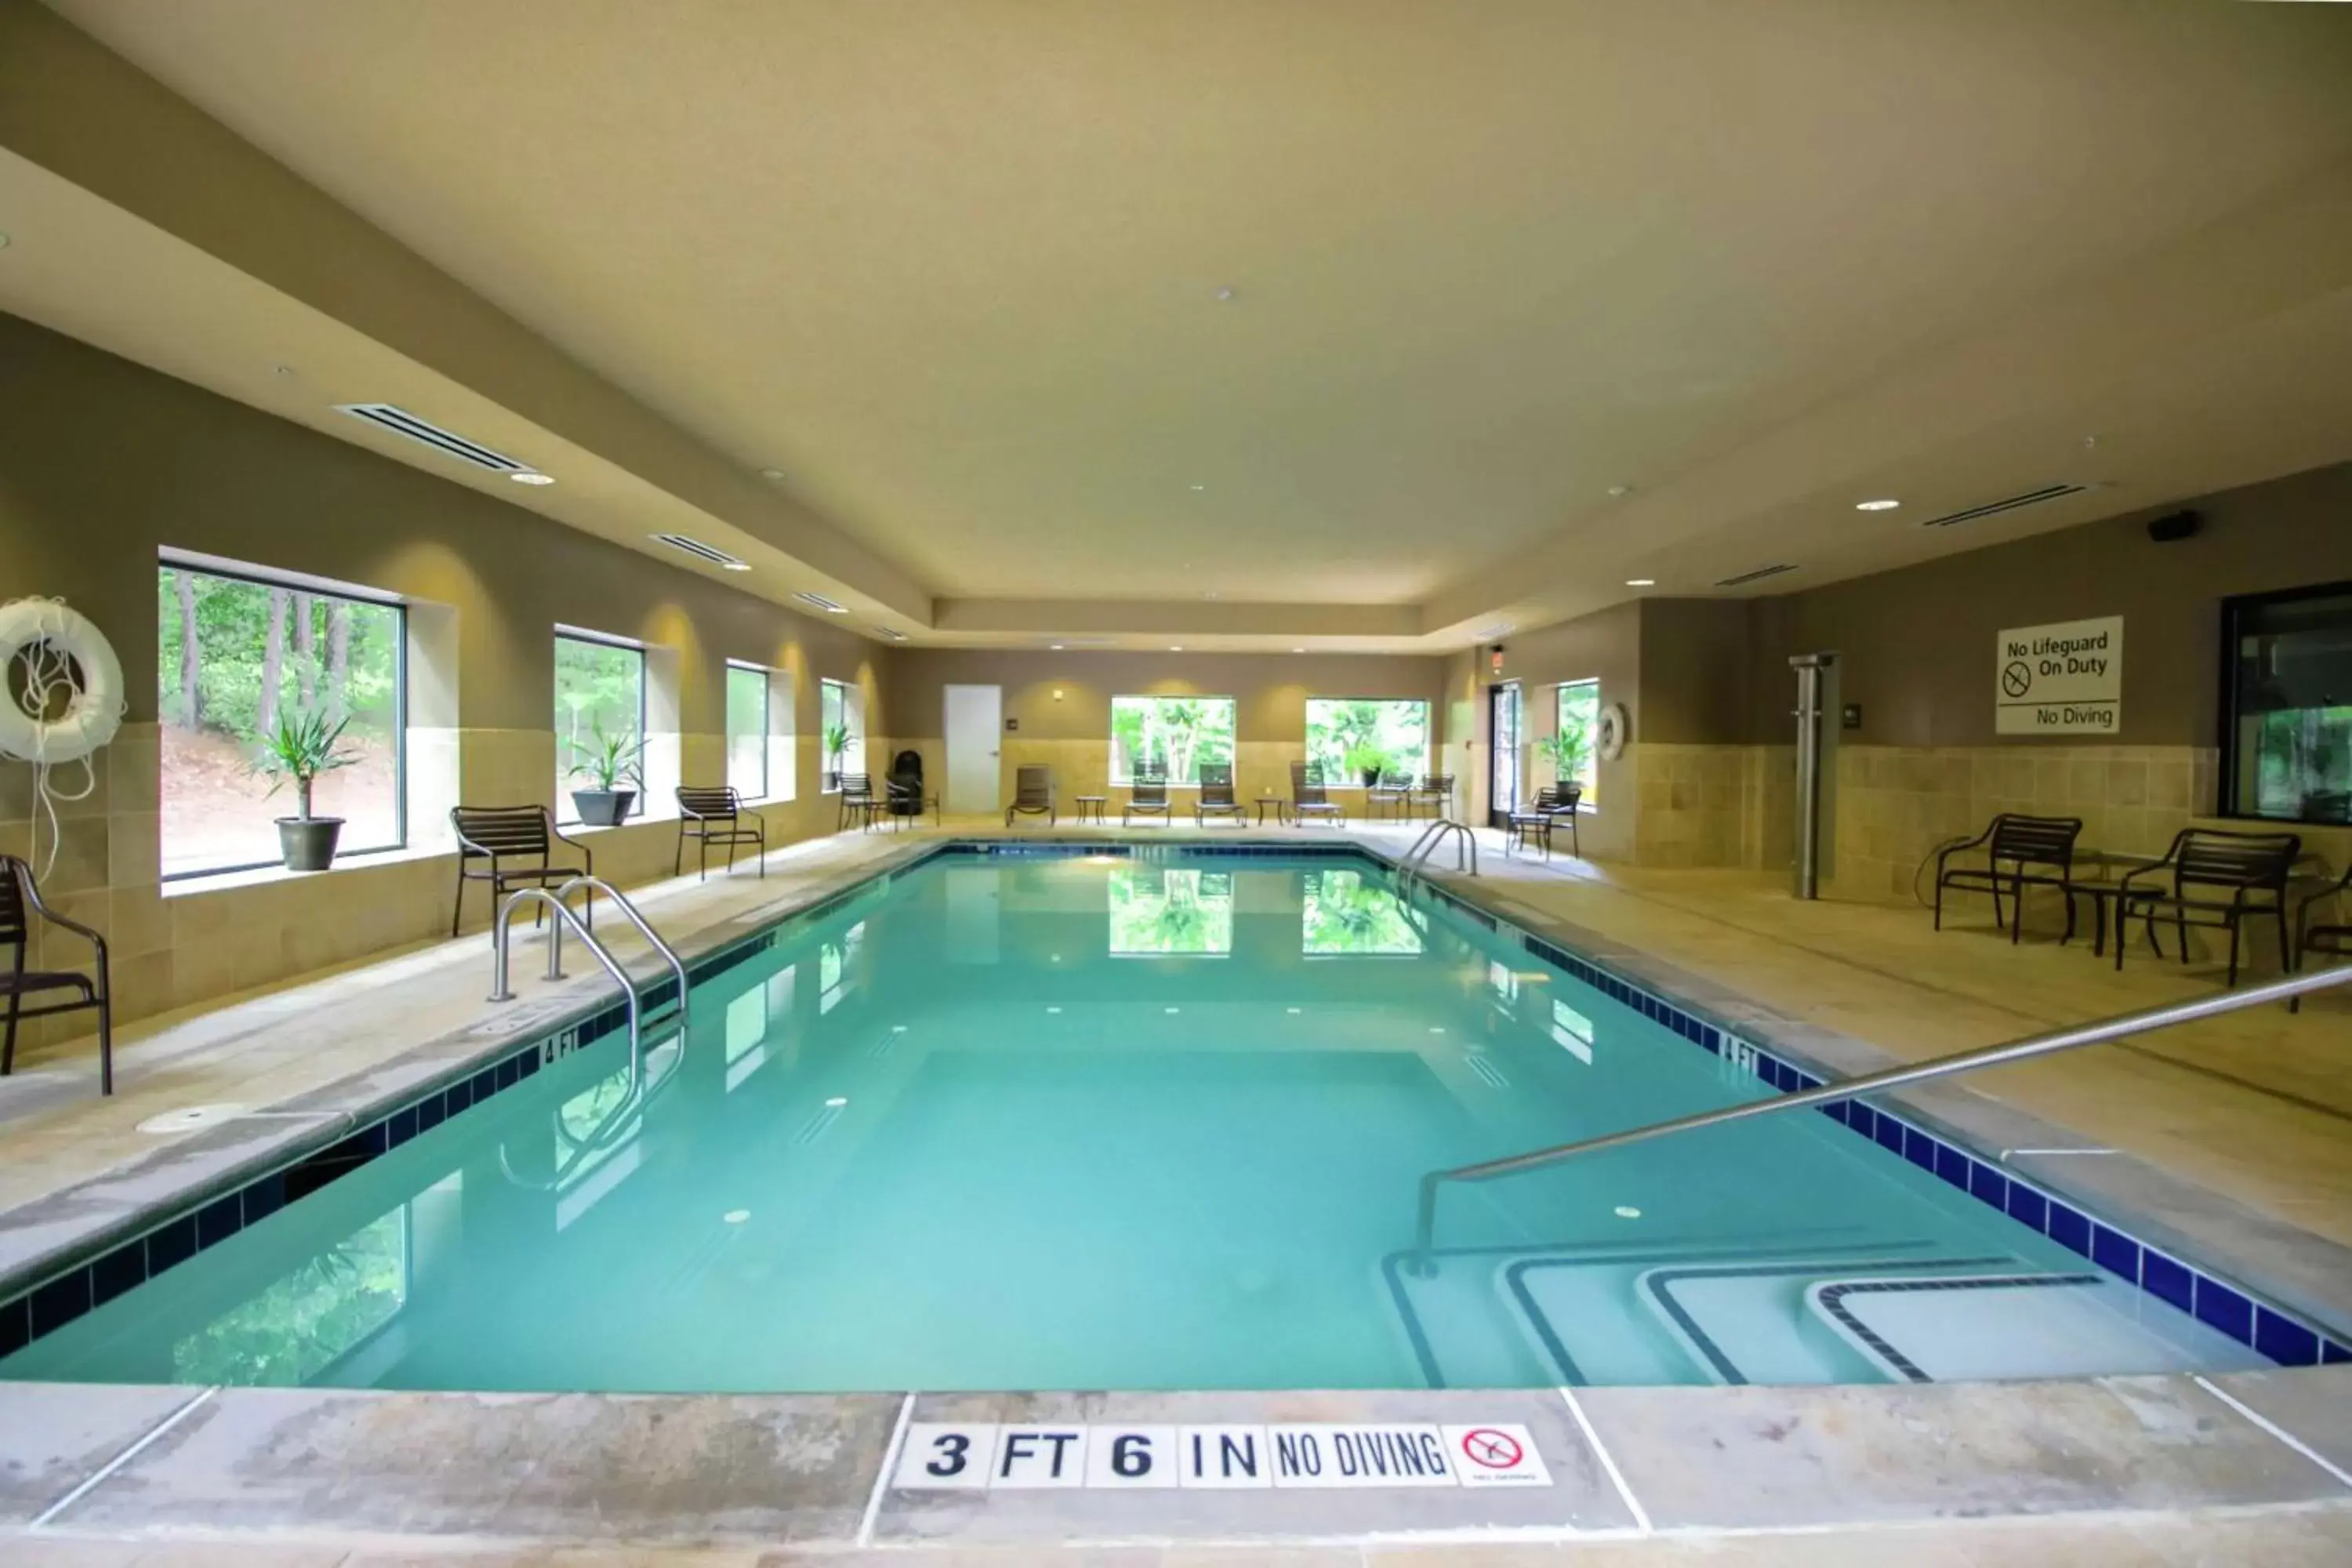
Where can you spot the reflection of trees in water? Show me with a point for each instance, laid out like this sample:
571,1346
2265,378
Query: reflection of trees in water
301,1325
1172,911
1342,913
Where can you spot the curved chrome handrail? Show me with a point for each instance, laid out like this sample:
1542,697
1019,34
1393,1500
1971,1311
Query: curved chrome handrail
2027,1049
629,911
1415,860
501,935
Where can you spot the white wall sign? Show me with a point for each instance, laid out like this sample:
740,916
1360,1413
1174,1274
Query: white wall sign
977,1456
2064,679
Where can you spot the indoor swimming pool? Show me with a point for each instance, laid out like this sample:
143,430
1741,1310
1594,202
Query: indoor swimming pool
1061,1120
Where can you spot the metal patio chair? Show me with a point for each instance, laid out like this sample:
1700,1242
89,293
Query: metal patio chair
1532,825
714,814
20,900
507,833
1436,791
2332,938
857,801
2239,874
2020,842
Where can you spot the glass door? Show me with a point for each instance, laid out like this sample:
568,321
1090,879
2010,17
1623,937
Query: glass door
1503,728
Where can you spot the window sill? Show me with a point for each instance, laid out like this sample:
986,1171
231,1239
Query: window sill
262,876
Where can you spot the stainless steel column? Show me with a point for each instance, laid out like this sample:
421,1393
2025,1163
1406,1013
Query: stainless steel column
1808,864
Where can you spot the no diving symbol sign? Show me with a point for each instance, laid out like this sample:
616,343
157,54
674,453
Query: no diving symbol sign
1497,1455
2017,678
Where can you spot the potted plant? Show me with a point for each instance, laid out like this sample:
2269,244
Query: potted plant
301,747
836,741
610,763
1367,763
1567,750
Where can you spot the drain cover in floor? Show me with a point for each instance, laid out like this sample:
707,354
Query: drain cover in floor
188,1117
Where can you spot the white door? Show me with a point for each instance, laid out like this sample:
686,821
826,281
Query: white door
975,721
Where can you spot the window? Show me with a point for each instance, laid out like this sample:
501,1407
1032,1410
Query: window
1170,735
600,703
1352,738
235,656
1170,913
1579,725
2287,706
747,730
841,731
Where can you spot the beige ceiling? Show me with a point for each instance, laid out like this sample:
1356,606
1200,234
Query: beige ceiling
952,266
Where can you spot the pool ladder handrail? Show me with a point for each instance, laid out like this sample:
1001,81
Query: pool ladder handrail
595,885
1415,860
2027,1049
501,929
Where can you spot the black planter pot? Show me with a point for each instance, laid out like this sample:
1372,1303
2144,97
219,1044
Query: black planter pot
604,807
308,843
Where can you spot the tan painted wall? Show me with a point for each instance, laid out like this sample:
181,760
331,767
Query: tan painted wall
1071,732
104,463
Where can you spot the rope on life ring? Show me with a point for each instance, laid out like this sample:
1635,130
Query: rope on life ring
1616,726
47,649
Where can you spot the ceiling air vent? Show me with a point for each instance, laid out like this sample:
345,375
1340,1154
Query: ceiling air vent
892,633
1752,576
2031,498
829,606
696,547
401,422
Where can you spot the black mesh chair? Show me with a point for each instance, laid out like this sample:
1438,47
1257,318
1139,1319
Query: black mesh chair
20,900
2217,880
907,798
712,815
2039,851
503,834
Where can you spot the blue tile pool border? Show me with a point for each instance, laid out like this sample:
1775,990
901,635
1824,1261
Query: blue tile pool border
2268,1329
65,1294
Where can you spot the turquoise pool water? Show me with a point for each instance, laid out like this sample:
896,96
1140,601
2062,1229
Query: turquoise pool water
1109,1123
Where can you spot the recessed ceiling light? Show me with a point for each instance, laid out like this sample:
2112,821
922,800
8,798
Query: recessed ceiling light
738,567
1298,650
893,633
1226,296
1055,646
1616,490
1641,582
1877,505
532,476
774,476
1175,647
829,606
1200,486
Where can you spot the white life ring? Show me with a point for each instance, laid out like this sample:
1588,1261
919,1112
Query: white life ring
96,710
1615,726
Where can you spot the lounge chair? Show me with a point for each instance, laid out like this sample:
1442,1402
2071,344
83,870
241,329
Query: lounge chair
2239,868
1392,790
712,815
1146,797
1308,798
2016,841
1217,797
1532,825
20,899
1033,794
509,833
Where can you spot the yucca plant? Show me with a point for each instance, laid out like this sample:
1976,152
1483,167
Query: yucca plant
836,741
614,762
298,749
1567,750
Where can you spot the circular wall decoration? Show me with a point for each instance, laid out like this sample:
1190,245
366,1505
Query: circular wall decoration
1616,729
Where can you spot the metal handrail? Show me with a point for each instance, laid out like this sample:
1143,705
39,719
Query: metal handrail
645,927
1953,1066
1416,859
501,935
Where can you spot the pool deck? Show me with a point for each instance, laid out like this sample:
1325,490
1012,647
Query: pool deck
2230,1134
